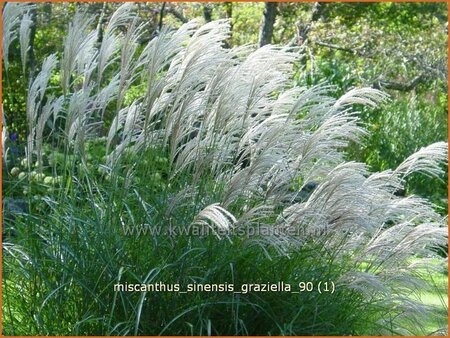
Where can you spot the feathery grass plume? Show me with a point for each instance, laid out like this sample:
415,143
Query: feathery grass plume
217,215
128,63
106,95
229,88
78,48
157,56
415,230
365,96
87,59
11,20
249,91
386,257
390,208
78,113
25,30
35,96
282,151
52,108
112,39
427,160
85,112
126,128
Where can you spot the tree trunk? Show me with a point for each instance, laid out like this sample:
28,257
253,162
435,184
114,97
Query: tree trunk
207,12
266,31
100,24
229,13
32,55
161,16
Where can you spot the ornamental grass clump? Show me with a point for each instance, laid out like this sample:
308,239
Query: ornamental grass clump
220,139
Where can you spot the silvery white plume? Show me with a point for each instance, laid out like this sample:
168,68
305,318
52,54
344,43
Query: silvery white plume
78,48
128,64
25,30
365,96
216,215
11,20
427,160
35,97
51,109
112,38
